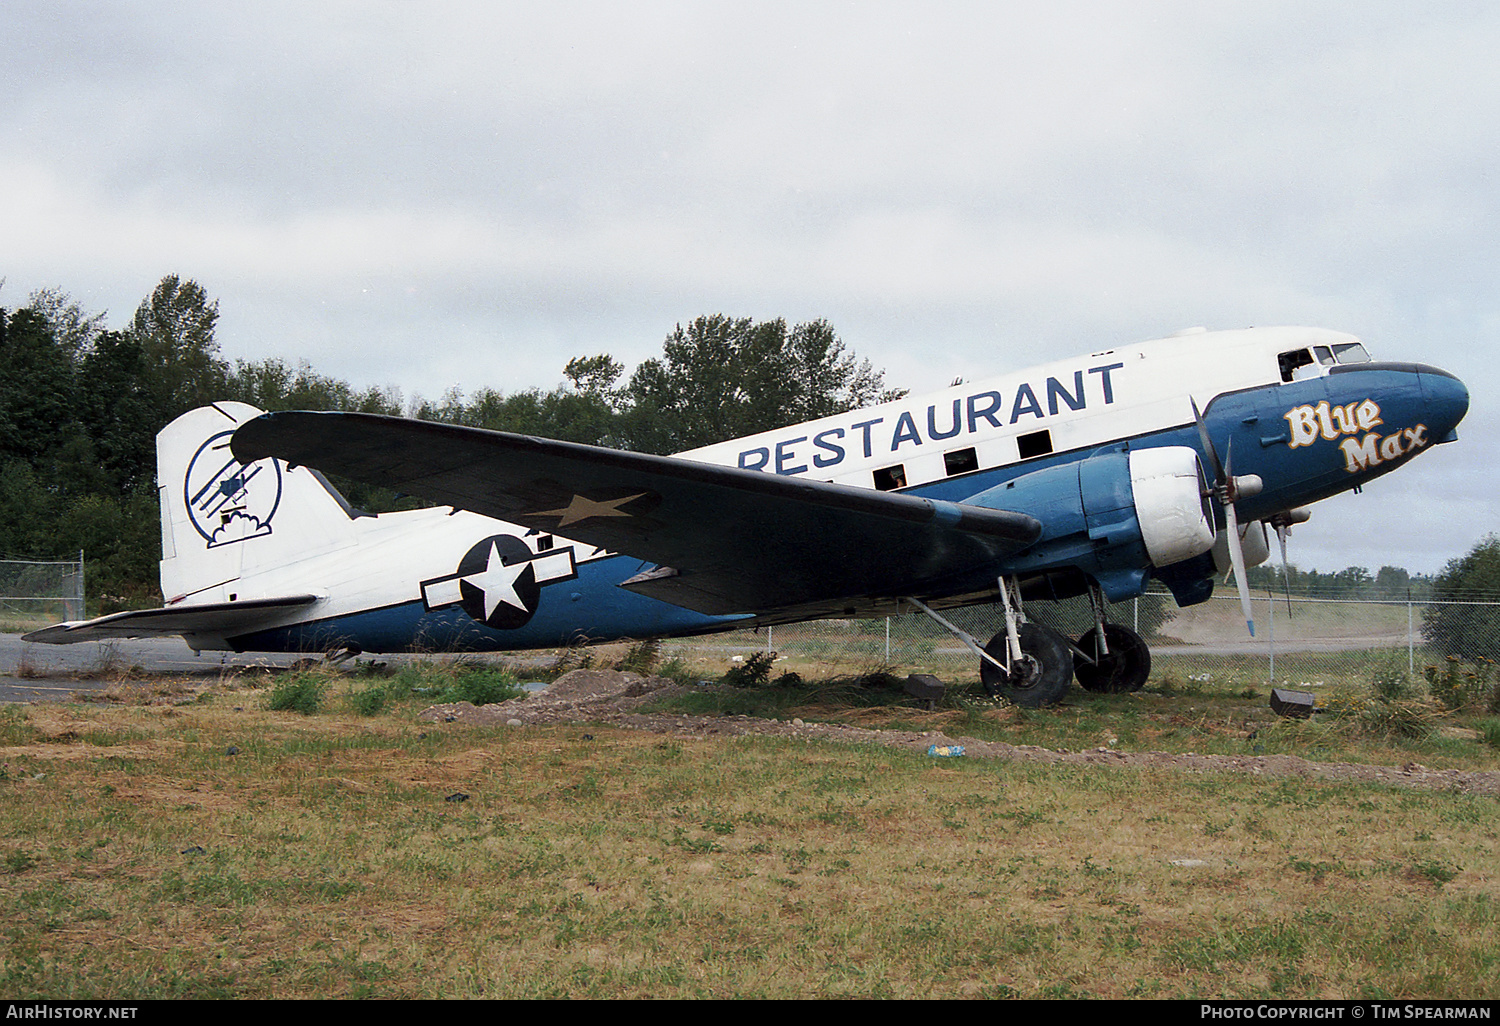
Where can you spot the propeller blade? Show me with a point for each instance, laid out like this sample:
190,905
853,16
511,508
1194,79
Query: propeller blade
1226,488
1286,573
1237,560
1208,444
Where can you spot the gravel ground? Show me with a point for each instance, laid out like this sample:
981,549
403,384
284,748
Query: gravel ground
608,696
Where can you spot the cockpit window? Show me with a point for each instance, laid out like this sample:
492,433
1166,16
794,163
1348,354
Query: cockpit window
1290,362
1312,362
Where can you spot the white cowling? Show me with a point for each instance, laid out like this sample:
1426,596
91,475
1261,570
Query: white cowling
1171,503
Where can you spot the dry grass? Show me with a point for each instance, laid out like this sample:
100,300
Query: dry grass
220,850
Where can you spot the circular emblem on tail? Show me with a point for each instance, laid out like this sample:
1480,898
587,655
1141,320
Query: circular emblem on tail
226,500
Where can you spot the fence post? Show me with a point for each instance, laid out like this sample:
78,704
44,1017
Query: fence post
1411,650
1271,631
888,641
768,639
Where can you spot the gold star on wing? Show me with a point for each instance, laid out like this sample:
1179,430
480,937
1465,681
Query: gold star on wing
582,508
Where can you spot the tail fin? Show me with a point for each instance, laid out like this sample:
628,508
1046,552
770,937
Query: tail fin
224,524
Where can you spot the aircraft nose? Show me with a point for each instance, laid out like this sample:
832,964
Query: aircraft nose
1446,400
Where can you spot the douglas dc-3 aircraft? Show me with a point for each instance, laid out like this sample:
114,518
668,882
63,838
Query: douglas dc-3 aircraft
1090,476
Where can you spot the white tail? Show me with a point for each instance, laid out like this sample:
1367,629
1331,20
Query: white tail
225,526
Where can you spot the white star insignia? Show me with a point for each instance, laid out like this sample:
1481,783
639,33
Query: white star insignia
498,582
581,508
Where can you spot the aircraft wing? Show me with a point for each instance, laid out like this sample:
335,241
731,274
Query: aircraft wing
213,618
722,540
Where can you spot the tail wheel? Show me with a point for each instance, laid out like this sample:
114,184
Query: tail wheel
1040,677
1124,668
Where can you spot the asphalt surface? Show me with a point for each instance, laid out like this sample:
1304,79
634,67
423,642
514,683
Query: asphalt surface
39,673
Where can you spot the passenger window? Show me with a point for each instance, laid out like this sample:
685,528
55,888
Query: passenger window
960,462
890,478
1038,443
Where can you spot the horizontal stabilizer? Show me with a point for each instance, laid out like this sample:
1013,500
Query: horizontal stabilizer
213,618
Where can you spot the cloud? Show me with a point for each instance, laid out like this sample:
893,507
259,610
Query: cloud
469,193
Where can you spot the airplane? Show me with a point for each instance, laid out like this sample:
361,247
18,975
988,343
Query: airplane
1166,460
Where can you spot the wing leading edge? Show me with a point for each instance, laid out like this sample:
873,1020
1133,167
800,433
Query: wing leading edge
722,540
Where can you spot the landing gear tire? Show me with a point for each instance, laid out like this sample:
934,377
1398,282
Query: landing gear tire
1041,676
1124,668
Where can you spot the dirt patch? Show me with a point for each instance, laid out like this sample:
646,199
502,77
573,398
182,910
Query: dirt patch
607,696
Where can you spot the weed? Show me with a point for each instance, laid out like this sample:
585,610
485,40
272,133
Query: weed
1434,872
642,657
1409,719
1391,683
754,672
298,692
576,657
370,701
1457,686
1490,731
14,730
676,668
18,861
482,686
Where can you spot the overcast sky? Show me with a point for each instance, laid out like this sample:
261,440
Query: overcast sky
439,194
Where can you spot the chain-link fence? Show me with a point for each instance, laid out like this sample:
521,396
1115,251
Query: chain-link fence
34,593
1298,640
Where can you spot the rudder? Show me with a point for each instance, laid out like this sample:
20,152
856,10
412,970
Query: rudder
224,522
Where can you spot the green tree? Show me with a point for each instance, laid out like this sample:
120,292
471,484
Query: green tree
116,404
74,328
175,328
562,413
276,385
722,377
1469,632
28,513
594,375
1392,582
37,401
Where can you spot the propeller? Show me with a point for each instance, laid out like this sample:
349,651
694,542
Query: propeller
1283,523
1229,490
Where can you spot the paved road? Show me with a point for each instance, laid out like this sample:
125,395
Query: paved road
31,673
40,673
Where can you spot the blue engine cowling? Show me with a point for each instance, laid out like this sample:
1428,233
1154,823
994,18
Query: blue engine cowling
1113,516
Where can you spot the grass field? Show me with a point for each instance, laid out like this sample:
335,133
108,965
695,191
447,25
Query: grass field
220,849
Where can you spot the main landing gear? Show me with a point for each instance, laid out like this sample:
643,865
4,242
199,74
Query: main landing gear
1032,665
1049,662
1039,677
1122,662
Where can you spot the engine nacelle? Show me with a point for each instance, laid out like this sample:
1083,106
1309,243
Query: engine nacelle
1253,542
1111,516
1176,520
